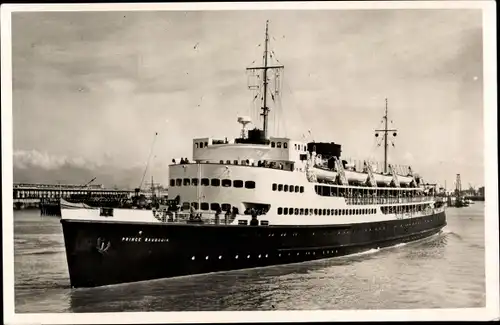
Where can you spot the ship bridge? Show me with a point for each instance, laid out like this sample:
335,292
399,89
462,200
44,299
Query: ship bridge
246,152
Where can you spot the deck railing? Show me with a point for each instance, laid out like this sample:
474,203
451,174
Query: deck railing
387,200
205,217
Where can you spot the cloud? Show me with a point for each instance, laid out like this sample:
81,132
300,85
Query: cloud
24,159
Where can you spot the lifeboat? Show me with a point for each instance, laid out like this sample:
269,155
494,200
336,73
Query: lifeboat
329,175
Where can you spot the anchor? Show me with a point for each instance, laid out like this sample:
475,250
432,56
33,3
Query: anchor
102,246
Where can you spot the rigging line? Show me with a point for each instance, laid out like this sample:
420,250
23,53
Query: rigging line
149,159
305,125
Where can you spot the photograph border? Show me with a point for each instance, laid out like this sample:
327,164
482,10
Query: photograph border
491,310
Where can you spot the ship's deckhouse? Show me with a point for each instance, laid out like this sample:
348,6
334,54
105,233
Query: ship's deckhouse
283,151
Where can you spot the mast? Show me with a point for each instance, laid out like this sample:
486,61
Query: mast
386,131
265,109
265,68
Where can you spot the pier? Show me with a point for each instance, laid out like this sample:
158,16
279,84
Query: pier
44,196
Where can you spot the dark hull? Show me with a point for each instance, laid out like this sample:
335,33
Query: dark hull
104,253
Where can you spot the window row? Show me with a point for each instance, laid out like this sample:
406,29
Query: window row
278,144
201,144
212,182
288,188
403,208
205,206
298,147
325,212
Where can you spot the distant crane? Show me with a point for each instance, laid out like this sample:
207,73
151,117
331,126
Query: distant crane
458,186
88,183
472,190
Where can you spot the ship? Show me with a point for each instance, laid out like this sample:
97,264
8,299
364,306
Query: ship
254,201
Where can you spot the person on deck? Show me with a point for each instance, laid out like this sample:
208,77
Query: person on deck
217,215
227,215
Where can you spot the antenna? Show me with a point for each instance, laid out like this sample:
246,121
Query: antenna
265,68
244,120
386,131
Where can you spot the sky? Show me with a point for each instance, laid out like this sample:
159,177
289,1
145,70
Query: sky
91,89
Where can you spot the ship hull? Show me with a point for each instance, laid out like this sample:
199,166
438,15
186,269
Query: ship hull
105,253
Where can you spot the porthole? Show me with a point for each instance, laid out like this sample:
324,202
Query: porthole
259,255
266,255
192,258
206,257
236,257
248,256
220,256
279,255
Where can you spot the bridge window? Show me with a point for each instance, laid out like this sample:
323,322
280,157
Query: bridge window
251,184
201,144
237,183
328,212
296,189
280,187
235,162
221,161
228,162
301,212
196,145
194,205
206,144
194,181
226,182
225,206
306,212
297,211
280,211
278,145
295,146
214,206
285,188
204,206
172,182
215,182
205,182
285,211
315,211
285,145
275,186
302,189
273,144
187,181
178,182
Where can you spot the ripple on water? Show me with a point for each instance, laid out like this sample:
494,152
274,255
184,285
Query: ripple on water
445,271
